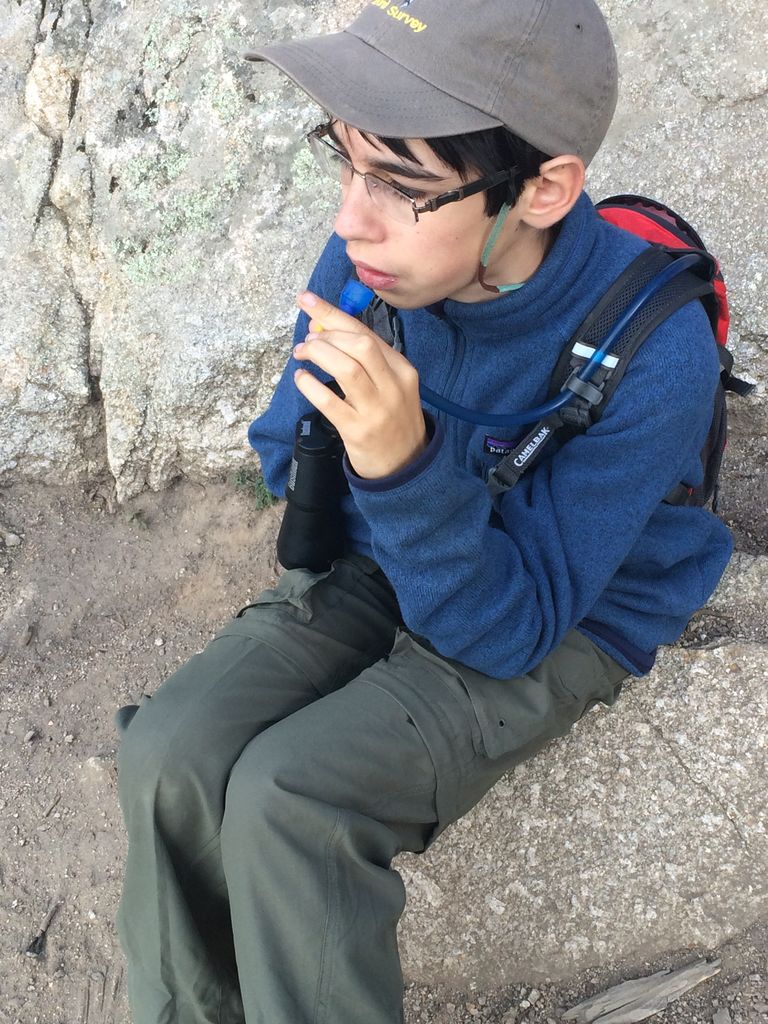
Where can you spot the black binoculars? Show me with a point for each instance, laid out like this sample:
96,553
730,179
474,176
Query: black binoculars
312,532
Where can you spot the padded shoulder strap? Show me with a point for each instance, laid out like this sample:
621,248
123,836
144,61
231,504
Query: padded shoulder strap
676,294
587,408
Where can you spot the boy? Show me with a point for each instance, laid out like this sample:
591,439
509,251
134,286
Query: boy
351,714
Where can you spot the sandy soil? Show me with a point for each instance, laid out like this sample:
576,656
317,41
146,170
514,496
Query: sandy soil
98,605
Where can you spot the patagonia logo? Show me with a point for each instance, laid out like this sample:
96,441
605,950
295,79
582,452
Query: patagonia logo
530,449
397,12
493,446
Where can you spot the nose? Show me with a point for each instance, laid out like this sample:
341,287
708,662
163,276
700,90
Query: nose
358,218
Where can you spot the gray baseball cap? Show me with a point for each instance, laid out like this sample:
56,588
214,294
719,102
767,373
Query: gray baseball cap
545,69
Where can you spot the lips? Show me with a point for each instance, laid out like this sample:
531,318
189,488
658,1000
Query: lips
374,278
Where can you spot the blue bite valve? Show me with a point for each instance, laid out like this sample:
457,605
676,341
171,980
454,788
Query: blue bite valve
355,296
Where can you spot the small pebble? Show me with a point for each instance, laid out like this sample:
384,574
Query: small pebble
761,1007
69,738
722,1017
159,642
30,735
534,995
12,540
91,915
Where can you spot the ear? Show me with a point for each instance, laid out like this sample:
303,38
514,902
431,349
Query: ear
548,198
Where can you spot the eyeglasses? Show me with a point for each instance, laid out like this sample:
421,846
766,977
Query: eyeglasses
395,201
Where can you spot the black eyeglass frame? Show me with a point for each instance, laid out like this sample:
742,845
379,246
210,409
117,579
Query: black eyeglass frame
455,195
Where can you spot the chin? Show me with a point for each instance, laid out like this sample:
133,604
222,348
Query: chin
403,300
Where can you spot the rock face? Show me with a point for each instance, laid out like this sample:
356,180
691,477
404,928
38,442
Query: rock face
159,213
692,113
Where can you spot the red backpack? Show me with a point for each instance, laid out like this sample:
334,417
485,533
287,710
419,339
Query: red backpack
659,225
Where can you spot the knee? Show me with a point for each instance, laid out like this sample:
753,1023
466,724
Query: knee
140,757
155,762
254,794
270,790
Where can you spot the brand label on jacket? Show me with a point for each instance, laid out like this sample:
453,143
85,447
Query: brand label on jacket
493,446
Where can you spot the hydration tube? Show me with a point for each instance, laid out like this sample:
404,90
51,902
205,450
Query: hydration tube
487,419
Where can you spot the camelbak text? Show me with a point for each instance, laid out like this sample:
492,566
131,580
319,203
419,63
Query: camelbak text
530,448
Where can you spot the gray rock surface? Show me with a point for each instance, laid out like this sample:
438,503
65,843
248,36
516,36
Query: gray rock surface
643,831
47,424
159,213
161,217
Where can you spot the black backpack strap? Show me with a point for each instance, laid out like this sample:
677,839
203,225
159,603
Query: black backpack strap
506,473
676,294
730,383
591,397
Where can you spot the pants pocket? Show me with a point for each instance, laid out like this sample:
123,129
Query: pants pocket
295,591
293,588
586,674
518,716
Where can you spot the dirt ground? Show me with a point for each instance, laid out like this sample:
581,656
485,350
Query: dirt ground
98,604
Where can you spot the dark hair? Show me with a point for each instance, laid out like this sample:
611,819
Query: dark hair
478,154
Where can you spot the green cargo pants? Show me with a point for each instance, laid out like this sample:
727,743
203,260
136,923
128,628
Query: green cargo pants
268,784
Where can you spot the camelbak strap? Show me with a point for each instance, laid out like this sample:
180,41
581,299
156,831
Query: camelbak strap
528,452
592,396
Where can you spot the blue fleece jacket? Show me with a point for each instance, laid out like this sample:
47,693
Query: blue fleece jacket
584,540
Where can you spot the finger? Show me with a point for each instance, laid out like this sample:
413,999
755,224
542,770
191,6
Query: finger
324,315
322,398
368,348
352,376
367,351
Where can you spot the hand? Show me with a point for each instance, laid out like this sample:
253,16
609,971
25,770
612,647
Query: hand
380,418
